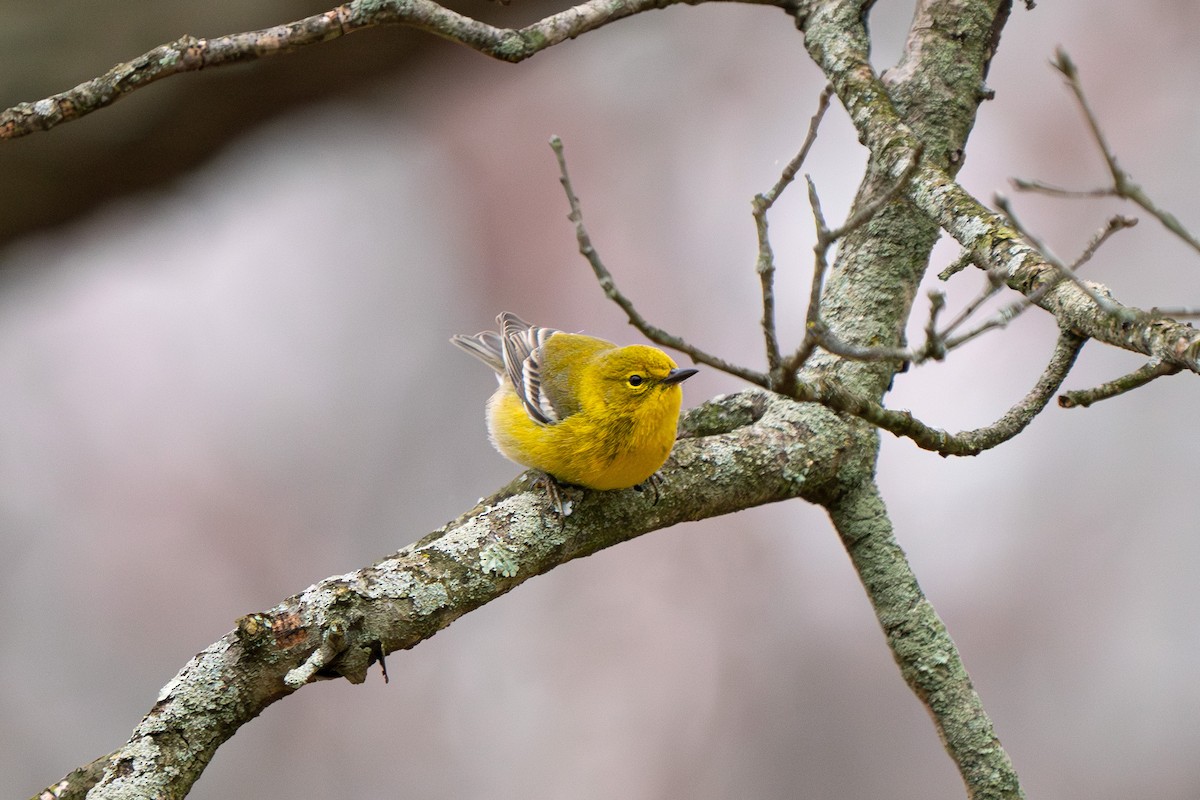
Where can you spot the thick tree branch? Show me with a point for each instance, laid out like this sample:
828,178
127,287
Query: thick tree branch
924,651
929,105
741,451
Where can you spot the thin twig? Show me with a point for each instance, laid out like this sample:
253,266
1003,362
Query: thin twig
817,332
1123,185
1174,312
1104,304
1149,371
605,278
1026,185
1012,310
995,281
965,443
962,262
766,256
935,344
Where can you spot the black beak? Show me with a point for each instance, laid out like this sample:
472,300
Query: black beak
678,376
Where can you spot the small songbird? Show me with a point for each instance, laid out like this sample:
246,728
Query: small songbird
578,408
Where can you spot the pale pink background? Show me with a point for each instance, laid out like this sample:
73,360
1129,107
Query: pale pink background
218,394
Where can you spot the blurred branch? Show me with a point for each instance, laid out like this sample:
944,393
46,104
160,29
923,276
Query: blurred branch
191,54
1122,185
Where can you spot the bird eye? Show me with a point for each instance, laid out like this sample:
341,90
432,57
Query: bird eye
635,380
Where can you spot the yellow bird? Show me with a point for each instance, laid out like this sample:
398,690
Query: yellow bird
578,408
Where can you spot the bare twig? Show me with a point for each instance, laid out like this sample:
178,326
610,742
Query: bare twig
817,333
965,443
994,282
765,267
1139,377
1014,309
1026,185
962,262
1174,312
1123,185
605,278
934,343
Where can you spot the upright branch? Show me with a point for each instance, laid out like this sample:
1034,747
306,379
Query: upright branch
816,331
765,266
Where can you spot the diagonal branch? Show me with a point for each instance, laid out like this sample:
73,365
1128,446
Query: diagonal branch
1123,186
342,625
933,669
1151,370
609,285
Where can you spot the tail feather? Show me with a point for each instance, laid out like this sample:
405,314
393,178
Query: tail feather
486,346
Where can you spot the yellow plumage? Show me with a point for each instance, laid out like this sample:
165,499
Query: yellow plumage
578,408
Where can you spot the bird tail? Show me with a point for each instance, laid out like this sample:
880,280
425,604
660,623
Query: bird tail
485,345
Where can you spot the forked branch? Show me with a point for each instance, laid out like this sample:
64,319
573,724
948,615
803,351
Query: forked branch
1123,186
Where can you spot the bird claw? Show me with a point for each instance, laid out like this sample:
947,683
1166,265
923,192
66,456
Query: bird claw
653,482
554,492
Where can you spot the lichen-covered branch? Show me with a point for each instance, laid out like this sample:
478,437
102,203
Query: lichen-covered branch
923,649
929,105
741,451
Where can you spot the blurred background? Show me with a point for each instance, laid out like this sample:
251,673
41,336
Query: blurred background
224,305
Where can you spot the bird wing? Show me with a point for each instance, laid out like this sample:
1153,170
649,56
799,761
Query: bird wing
522,343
